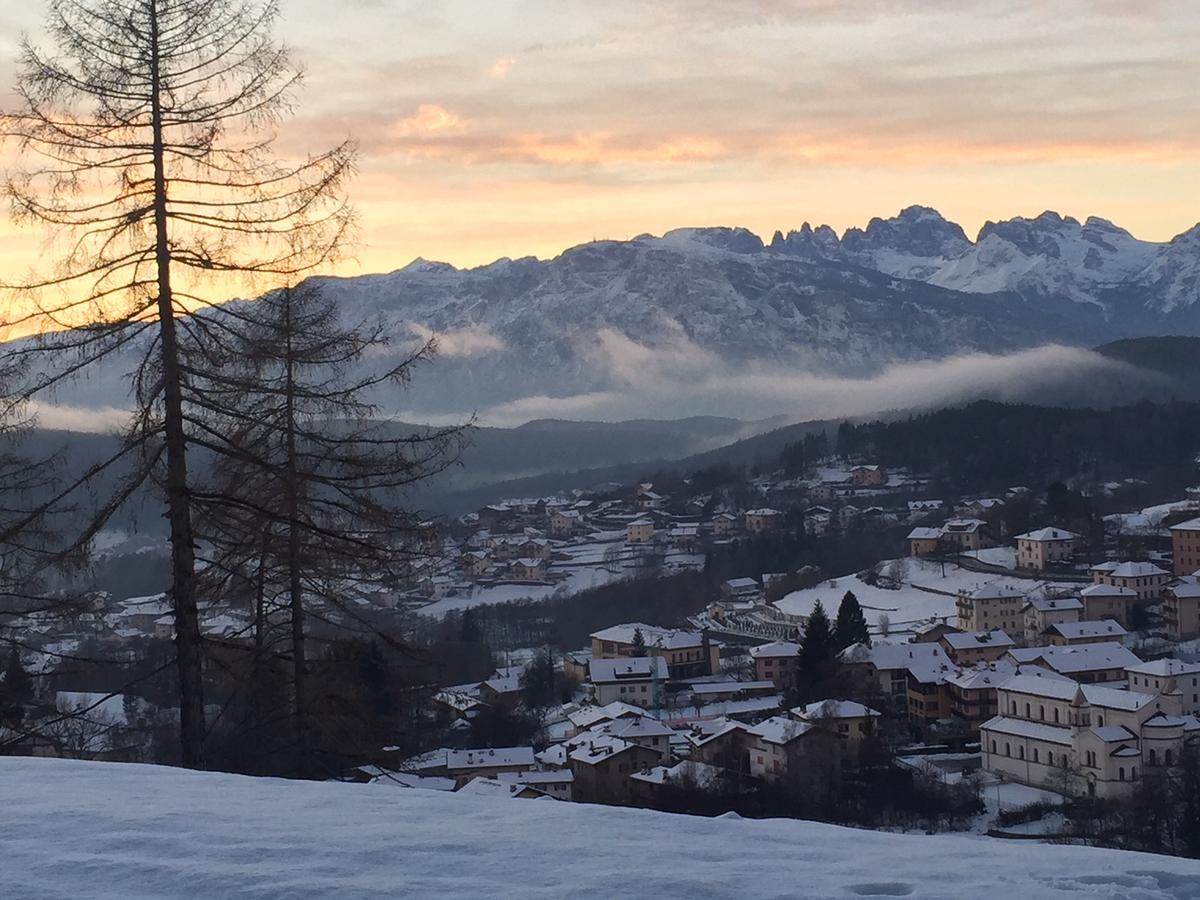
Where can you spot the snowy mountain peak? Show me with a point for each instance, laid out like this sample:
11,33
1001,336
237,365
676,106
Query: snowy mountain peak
420,265
733,240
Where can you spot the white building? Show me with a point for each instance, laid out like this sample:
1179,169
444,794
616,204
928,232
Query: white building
1083,740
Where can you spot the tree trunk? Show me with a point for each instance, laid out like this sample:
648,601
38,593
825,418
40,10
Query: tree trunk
295,588
183,558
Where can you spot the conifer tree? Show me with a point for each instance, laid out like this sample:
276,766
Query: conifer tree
851,626
816,648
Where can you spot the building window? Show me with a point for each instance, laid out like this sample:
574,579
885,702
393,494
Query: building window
1056,714
1007,749
1035,754
993,746
1021,751
1121,774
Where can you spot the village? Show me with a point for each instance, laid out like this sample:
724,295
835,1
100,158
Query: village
1034,668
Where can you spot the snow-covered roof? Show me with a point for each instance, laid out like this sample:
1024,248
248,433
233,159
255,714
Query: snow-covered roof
926,661
1052,604
541,776
975,640
597,749
666,638
643,727
590,715
835,709
1189,525
925,534
963,526
764,511
742,584
1113,733
606,671
488,757
1077,630
1165,668
1107,590
1042,535
698,773
1064,689
1038,731
983,676
703,732
780,729
1079,658
774,650
996,590
1137,570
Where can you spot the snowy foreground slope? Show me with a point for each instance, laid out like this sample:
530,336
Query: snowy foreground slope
72,829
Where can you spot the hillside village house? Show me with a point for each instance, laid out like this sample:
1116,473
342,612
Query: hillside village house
1145,579
1042,612
993,606
971,692
637,680
602,765
688,653
556,783
1082,739
924,541
777,662
476,562
1167,676
1107,601
888,669
778,746
1181,609
639,531
724,743
1087,664
963,535
1185,546
868,476
724,524
967,648
645,731
563,522
852,723
527,570
761,520
464,765
1046,547
1069,634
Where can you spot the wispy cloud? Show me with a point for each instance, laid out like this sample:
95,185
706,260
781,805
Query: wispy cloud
682,380
459,343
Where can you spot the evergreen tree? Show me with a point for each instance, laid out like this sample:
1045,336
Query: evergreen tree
816,648
16,691
851,627
639,642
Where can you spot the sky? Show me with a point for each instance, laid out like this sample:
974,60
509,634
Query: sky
523,127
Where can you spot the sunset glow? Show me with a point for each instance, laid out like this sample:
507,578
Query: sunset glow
522,127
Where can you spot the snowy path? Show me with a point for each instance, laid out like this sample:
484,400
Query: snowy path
72,830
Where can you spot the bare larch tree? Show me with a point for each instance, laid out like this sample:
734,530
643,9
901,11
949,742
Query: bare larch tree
147,148
312,493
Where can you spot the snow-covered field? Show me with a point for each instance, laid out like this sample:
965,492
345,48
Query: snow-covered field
584,571
927,591
105,831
